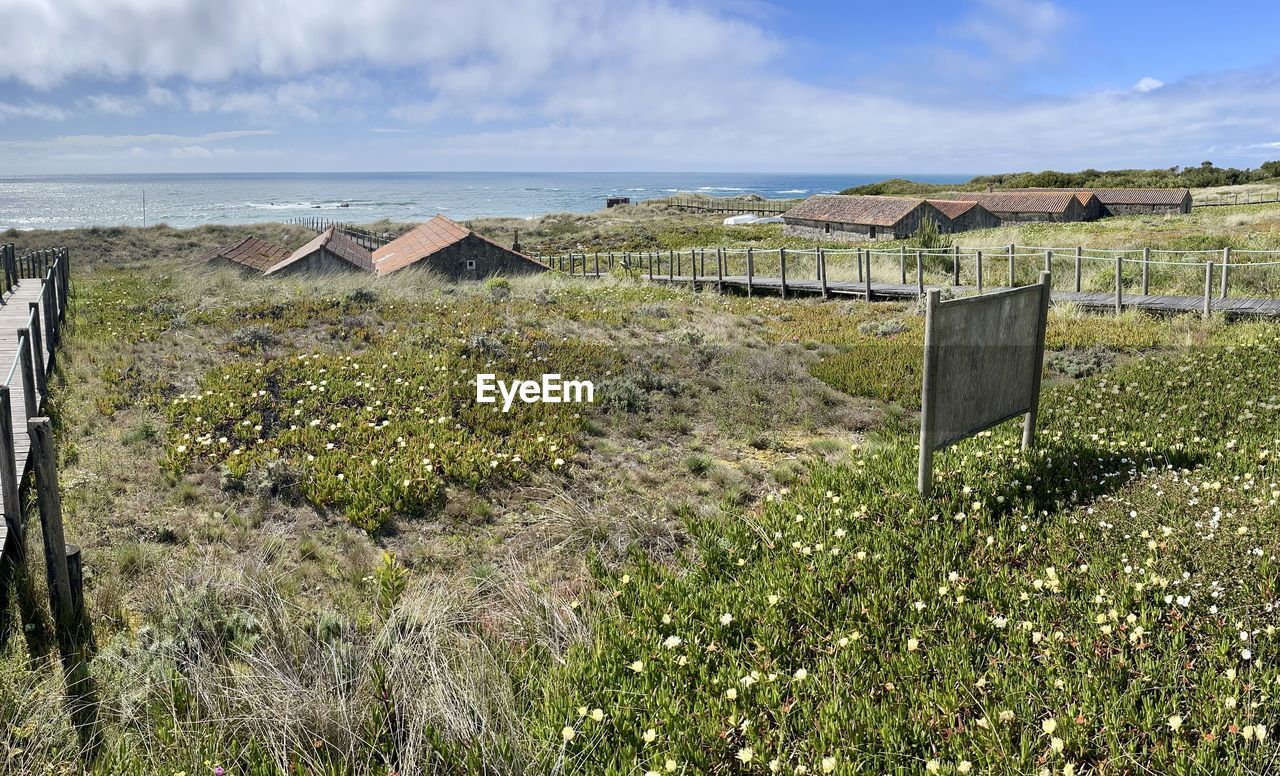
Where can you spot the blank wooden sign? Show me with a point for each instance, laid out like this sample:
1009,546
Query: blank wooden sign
983,356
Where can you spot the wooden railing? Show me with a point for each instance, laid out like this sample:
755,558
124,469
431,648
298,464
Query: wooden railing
370,240
26,444
730,205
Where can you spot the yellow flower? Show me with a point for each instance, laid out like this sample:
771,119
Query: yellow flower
1049,725
745,754
637,666
964,767
597,715
649,735
568,733
1175,722
828,764
670,765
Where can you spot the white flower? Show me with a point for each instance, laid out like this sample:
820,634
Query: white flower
828,764
1049,725
726,618
649,735
800,674
964,767
568,733
671,642
1175,722
745,754
597,714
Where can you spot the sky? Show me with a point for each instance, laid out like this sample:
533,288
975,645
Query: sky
958,87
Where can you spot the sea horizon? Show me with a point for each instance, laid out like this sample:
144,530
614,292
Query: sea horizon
68,201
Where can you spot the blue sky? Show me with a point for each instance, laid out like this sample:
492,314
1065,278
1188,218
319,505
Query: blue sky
967,86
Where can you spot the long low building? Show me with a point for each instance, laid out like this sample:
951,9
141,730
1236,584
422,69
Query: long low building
848,218
1130,202
1024,206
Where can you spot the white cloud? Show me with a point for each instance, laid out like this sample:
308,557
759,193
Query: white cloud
113,105
1148,84
31,110
1016,31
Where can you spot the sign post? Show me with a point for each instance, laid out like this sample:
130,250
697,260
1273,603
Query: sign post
983,358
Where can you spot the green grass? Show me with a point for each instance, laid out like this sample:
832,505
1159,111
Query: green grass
1031,615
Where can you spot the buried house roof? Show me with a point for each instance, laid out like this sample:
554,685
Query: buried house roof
428,239
1023,201
334,243
251,253
854,209
952,208
1141,196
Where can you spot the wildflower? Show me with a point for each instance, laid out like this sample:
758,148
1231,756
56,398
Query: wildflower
1049,725
1175,722
964,767
726,618
913,644
933,766
649,735
597,714
800,674
670,765
1056,745
745,754
568,733
672,642
637,666
1006,716
731,694
773,600
828,764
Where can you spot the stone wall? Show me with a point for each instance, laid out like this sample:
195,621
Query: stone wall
475,258
319,262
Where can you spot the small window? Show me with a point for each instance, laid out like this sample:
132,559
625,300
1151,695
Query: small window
873,233
471,263
826,228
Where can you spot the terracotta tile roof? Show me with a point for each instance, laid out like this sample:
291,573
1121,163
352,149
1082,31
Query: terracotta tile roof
334,242
952,208
1129,196
250,252
1084,196
417,244
853,209
1022,201
1141,196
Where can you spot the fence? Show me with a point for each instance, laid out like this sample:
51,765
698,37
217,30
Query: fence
1124,273
26,443
729,205
370,240
1260,198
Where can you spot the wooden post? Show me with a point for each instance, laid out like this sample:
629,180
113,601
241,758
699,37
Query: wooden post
859,258
68,630
720,270
955,265
978,269
782,268
751,269
28,374
1048,260
1208,288
649,256
13,555
867,277
671,265
1029,422
37,351
679,263
1226,270
48,314
1012,274
924,477
1146,271
75,578
693,269
919,275
597,255
902,263
1119,283
822,271
1079,251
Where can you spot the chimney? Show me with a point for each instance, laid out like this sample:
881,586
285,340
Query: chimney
515,243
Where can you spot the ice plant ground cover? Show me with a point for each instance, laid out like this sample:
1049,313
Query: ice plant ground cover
1106,602
728,573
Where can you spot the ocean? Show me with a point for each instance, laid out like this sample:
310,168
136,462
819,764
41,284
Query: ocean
183,200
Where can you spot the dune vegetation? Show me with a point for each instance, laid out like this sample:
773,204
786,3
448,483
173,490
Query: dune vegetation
308,550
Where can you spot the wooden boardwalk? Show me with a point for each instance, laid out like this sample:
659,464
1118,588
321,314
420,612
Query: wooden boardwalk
16,313
1242,307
